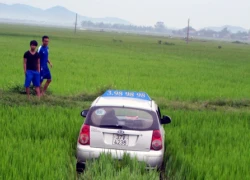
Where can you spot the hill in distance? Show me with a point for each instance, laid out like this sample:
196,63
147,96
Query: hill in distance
59,15
54,15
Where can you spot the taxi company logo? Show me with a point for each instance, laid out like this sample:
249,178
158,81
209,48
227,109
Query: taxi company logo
120,132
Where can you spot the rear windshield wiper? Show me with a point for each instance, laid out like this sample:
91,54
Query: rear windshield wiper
112,126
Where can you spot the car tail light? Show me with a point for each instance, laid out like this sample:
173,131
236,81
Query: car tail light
156,143
84,137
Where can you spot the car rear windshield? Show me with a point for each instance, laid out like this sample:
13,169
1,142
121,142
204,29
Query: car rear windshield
122,117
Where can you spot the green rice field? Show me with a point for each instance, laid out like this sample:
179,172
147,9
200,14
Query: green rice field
204,89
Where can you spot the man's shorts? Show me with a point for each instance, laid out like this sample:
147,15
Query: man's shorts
32,76
44,74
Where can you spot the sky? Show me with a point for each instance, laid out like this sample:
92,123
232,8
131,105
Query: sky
174,13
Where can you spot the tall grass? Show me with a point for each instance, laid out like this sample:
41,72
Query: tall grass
38,142
88,60
38,138
107,168
208,145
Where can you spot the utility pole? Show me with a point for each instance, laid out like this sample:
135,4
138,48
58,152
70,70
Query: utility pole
188,31
76,23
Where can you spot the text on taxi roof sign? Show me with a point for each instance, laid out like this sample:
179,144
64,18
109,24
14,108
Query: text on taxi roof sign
129,94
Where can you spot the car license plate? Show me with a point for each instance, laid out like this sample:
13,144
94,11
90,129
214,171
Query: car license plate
121,140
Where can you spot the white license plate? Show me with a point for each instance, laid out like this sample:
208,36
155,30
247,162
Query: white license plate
121,140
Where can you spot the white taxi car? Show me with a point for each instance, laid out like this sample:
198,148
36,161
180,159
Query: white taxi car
120,122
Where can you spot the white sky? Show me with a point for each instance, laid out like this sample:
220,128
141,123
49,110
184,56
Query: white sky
174,13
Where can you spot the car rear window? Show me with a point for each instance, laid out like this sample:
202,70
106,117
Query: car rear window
126,118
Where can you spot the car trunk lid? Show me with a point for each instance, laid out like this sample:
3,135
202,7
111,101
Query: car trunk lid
117,138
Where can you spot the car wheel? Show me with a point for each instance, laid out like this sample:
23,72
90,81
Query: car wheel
80,167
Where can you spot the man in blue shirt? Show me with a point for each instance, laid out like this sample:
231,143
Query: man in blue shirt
43,51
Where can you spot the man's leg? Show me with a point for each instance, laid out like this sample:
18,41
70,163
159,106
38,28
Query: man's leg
48,77
41,82
46,85
38,92
36,82
28,79
41,88
28,92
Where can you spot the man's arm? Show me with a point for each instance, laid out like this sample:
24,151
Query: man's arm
38,50
24,65
51,65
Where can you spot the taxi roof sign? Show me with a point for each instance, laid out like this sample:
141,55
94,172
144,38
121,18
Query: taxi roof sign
128,94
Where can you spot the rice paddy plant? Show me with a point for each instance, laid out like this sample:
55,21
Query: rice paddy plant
208,145
108,168
38,138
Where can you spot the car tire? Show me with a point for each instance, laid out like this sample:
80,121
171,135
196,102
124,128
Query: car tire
80,167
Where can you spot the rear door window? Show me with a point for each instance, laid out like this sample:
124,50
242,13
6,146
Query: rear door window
126,118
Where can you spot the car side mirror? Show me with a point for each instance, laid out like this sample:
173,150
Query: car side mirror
84,113
166,120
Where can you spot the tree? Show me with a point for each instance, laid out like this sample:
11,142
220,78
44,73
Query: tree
240,35
89,24
207,33
224,32
160,26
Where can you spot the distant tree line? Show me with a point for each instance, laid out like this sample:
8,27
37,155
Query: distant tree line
160,27
224,33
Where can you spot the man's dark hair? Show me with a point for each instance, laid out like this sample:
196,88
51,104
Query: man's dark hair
33,42
45,37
